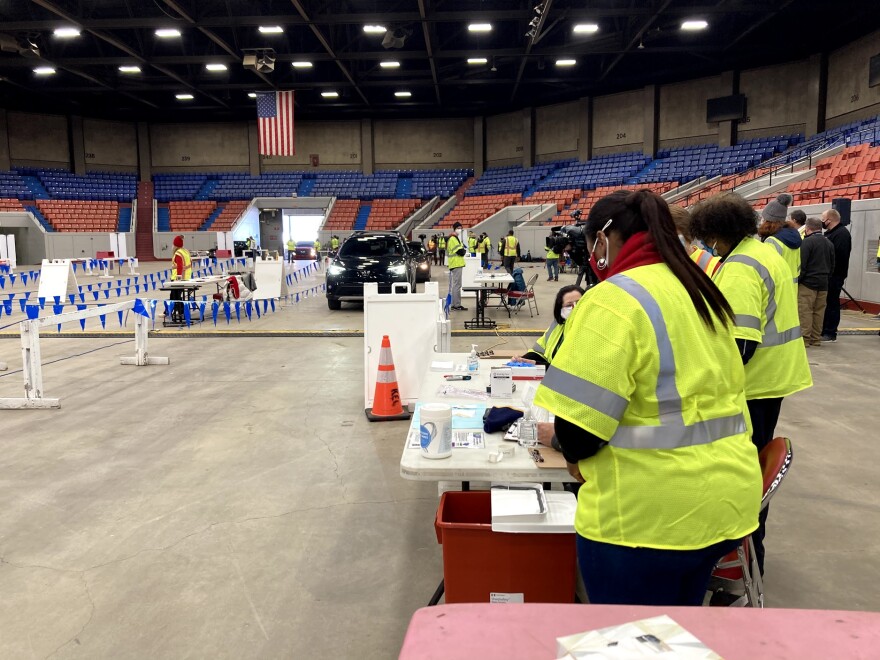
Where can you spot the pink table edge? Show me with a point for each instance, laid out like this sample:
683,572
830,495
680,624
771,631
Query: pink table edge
510,631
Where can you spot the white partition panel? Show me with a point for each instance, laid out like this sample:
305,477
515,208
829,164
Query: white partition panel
410,321
56,279
269,275
471,268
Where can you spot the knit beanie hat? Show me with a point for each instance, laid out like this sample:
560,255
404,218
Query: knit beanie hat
777,210
178,241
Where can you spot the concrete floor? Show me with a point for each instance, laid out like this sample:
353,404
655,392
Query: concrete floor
238,504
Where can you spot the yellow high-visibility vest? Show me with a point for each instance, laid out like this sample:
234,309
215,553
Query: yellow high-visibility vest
792,256
704,259
548,343
510,244
187,264
679,471
758,285
452,259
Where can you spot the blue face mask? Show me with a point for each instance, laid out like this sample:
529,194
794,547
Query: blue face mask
710,250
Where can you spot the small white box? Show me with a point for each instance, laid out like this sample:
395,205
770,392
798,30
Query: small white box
501,383
532,372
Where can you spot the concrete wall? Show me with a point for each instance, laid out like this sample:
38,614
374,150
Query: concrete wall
849,97
4,143
110,145
337,145
556,131
421,144
504,139
38,140
683,112
30,239
618,122
199,147
776,100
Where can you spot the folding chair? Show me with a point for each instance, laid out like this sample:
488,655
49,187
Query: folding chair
520,298
741,565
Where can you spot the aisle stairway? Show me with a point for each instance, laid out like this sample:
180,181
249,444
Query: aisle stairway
144,235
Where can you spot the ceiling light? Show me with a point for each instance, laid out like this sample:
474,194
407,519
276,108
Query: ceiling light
375,29
215,66
301,64
403,95
44,70
585,28
477,60
390,65
330,95
184,97
167,33
270,29
480,27
66,32
129,68
566,62
252,95
694,25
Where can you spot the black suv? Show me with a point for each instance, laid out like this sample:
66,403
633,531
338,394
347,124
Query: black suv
369,256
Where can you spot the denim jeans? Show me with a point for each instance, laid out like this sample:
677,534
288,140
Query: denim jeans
553,268
619,575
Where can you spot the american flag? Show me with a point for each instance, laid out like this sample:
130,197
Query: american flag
275,123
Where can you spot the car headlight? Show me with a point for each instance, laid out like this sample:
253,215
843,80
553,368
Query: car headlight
335,269
423,266
398,269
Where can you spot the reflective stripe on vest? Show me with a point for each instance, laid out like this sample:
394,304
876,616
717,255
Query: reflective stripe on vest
775,242
772,336
704,261
510,248
672,432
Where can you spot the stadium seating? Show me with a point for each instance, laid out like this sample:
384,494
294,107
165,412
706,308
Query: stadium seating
107,186
10,205
513,178
189,216
612,169
343,215
80,216
228,215
586,201
390,213
472,210
853,173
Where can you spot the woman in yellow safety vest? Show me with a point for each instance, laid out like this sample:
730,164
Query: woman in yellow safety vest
758,284
707,262
776,232
647,390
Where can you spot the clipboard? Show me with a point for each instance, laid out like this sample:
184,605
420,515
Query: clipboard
552,458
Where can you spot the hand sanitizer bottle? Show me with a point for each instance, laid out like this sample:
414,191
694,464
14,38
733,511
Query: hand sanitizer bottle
473,362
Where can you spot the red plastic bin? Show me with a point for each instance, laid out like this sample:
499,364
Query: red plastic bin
478,562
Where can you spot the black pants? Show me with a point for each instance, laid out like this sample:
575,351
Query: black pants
442,255
764,414
832,307
509,263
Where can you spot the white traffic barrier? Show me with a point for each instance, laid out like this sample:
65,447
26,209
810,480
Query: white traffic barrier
32,368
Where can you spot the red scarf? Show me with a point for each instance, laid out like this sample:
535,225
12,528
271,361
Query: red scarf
638,250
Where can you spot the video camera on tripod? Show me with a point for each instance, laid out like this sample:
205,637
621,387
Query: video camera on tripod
573,239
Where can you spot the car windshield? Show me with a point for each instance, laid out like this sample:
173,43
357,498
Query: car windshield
371,246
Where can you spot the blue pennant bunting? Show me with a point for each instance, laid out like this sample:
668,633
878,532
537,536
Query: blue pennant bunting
238,311
140,309
106,293
272,302
187,314
32,311
82,322
24,278
202,312
227,312
248,308
23,302
119,314
57,309
96,294
215,307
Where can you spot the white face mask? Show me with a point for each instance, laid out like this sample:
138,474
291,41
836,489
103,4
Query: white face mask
565,312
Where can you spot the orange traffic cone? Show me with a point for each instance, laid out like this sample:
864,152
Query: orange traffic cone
386,400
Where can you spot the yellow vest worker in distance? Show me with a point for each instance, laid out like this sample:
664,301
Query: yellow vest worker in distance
759,286
647,389
181,261
455,263
181,269
775,231
291,249
511,246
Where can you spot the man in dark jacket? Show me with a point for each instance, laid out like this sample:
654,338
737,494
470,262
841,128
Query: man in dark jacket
842,241
817,264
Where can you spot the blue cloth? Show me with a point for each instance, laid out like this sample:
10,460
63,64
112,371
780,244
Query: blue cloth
619,575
